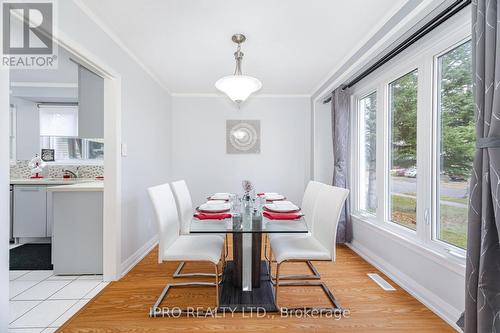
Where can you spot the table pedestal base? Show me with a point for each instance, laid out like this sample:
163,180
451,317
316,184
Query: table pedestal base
233,298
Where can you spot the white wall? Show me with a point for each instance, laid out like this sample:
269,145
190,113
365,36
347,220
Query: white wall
199,145
323,145
439,286
145,114
4,199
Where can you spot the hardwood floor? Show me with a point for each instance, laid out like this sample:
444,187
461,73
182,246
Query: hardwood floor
124,305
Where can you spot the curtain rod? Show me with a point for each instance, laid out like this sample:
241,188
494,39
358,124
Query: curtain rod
424,30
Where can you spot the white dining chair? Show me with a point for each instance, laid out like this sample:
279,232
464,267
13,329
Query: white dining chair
308,209
185,210
320,245
176,247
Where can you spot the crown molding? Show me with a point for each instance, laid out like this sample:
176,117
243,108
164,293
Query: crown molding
120,43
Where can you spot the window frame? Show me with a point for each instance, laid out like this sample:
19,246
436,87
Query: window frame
435,203
388,142
421,56
358,140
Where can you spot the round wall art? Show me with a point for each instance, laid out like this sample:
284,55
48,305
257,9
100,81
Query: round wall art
243,136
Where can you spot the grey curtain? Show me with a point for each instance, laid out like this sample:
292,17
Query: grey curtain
482,299
340,126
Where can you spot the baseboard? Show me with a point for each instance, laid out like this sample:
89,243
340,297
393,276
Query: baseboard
134,259
437,305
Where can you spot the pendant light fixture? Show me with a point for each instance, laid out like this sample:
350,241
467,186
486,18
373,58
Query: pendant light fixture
238,87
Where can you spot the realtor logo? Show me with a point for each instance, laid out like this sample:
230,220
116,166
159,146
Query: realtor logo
27,35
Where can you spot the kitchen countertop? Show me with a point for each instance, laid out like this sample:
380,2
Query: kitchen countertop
94,186
50,181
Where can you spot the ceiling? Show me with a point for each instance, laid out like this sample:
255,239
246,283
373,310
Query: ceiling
292,45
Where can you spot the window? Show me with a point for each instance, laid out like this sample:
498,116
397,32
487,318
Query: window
403,158
59,131
368,153
58,120
73,149
456,143
416,116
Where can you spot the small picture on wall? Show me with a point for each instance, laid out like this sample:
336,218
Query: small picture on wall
243,136
48,155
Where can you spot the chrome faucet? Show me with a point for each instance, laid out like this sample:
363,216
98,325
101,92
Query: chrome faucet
74,175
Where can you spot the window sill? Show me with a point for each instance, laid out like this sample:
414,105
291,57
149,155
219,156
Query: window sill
439,254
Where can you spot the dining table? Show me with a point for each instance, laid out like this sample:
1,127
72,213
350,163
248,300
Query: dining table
246,281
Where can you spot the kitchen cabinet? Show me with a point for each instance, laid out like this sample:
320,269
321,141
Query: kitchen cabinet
77,242
90,104
30,211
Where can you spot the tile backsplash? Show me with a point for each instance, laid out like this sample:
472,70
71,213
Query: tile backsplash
22,170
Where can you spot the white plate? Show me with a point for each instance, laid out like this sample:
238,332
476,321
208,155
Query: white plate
220,196
214,207
274,196
287,208
216,202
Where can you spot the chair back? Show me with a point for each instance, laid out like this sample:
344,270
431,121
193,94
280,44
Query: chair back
184,205
166,216
329,204
309,200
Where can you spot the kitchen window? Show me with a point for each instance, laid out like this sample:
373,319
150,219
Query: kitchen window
59,131
74,149
419,109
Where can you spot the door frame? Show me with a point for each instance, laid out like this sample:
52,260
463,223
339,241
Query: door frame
112,157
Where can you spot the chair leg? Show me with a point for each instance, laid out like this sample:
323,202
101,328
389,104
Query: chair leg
156,311
217,285
178,274
156,307
336,306
277,285
226,243
326,290
221,274
267,244
314,276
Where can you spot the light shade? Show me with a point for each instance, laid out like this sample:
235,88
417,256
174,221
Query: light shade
238,87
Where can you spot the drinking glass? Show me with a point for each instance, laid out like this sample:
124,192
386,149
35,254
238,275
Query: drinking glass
235,204
260,201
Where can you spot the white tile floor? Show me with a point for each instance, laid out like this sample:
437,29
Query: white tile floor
41,301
